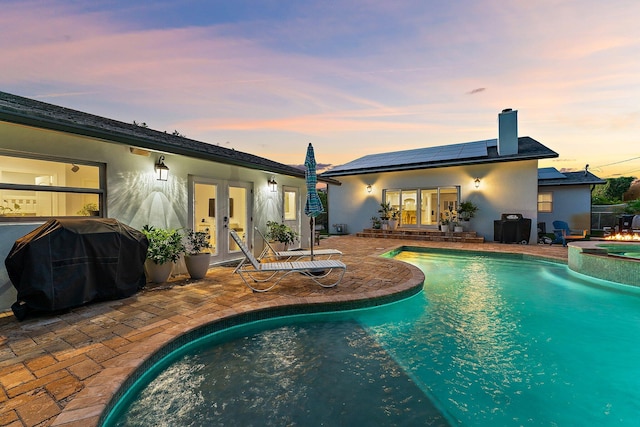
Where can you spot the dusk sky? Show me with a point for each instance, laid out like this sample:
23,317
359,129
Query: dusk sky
353,77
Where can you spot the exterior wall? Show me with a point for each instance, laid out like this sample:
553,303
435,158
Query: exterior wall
571,203
134,197
506,187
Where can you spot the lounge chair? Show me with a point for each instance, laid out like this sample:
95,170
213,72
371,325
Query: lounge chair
254,272
564,233
269,252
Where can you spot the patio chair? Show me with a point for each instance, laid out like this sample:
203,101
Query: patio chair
253,272
269,252
563,233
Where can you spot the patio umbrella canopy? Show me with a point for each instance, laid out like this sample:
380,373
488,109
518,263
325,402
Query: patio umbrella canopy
313,207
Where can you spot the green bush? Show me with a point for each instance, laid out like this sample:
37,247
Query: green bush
281,233
164,244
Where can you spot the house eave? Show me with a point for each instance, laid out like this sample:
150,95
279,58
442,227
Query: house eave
151,142
559,183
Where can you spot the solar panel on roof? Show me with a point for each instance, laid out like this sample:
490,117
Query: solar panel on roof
418,156
550,173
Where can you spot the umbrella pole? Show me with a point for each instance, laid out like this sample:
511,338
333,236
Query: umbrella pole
312,225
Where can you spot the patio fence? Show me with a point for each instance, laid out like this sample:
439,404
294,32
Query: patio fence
606,215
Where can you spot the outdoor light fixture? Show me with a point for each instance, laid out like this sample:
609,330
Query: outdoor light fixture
273,185
477,182
369,188
162,171
74,168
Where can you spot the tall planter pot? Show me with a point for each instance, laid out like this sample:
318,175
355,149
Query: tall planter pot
197,265
158,273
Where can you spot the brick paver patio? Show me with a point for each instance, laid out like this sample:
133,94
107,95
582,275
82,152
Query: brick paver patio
61,370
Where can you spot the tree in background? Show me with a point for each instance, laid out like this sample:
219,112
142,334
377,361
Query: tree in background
633,207
612,192
323,218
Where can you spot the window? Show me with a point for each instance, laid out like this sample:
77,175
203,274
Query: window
545,202
46,188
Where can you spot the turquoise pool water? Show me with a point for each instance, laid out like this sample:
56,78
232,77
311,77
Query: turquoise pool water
491,341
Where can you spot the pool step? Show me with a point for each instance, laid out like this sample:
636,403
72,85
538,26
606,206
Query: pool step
421,234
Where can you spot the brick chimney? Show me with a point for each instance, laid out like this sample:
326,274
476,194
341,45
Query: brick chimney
508,132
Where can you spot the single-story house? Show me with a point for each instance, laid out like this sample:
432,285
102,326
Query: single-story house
565,196
499,176
58,162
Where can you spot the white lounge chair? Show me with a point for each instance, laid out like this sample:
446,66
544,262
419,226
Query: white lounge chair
271,273
269,252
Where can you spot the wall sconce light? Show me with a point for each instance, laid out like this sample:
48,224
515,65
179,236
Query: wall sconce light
369,188
162,171
273,185
477,182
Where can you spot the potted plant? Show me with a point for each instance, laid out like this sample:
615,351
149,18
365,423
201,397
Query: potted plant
395,217
385,211
375,223
467,210
89,209
165,248
281,233
197,255
444,222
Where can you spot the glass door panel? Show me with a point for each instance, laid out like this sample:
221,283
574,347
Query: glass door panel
291,208
237,215
429,207
409,207
448,202
205,212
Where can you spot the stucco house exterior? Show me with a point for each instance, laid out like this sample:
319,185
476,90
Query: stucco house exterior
565,196
57,162
498,175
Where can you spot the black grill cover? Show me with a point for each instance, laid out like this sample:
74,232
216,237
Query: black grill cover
512,228
69,262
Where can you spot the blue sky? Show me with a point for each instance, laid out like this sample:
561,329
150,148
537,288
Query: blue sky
351,77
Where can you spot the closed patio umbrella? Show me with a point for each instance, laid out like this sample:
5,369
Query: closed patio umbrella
313,206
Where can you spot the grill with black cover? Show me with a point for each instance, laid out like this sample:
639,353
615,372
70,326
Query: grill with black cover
66,263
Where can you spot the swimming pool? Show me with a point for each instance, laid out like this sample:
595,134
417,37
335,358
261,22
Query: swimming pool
491,340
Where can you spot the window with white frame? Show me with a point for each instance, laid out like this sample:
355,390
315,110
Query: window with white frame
45,187
545,201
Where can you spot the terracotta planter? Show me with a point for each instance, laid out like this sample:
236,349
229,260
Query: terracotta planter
197,265
158,273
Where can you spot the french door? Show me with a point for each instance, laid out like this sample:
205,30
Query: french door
423,206
215,206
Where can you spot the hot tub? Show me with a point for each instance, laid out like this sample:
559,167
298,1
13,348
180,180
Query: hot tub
617,262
